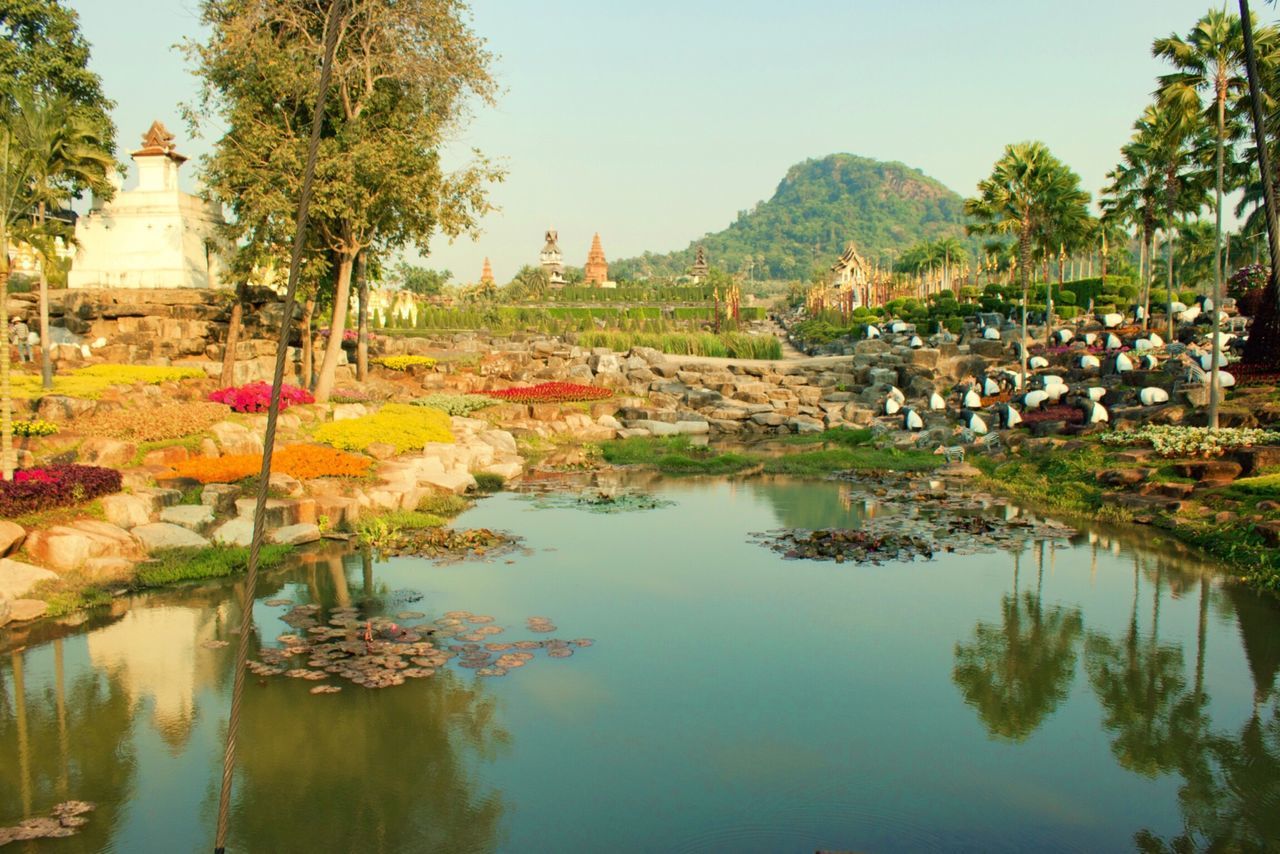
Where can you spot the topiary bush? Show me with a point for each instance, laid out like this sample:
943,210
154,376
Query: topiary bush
404,363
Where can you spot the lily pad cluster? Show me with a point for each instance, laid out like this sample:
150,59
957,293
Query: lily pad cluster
376,652
63,820
447,544
845,545
596,501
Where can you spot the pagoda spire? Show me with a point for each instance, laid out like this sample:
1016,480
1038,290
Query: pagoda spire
486,274
596,270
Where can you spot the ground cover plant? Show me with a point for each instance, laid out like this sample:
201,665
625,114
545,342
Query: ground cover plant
460,405
1177,441
89,383
34,427
169,566
732,345
256,396
303,462
402,426
38,489
153,423
551,392
677,455
404,363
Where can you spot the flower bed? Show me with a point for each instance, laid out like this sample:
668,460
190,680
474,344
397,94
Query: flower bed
403,427
35,427
1171,441
256,397
301,461
34,490
551,393
1060,412
404,363
460,405
153,424
89,383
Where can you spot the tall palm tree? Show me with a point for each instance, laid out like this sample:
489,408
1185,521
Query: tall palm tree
68,152
1210,61
1028,191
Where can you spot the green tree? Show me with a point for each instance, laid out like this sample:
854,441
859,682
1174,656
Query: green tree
403,75
1209,61
66,154
1029,193
420,280
43,52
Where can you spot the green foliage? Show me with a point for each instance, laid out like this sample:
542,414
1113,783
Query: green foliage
816,210
419,280
169,566
489,482
733,345
444,505
461,405
847,436
822,463
678,455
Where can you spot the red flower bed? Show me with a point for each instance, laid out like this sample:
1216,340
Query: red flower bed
551,393
1060,412
256,397
33,490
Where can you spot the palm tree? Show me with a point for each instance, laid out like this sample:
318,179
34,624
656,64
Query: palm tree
1210,60
1028,191
68,152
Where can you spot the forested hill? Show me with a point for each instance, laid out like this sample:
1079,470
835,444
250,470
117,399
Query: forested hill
817,209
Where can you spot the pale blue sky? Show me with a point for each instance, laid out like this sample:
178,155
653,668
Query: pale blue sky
654,123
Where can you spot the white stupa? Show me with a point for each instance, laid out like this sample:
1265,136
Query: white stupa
153,236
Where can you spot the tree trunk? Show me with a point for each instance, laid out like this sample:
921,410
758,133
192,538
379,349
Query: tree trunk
6,393
1215,390
46,358
307,368
233,339
1024,263
1169,277
362,317
1263,344
338,325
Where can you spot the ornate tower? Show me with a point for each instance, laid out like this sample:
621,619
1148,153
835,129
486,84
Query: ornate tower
551,259
700,268
486,274
596,270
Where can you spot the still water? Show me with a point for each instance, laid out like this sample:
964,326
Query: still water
1096,694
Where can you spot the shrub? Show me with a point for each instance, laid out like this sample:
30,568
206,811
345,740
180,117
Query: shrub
34,490
256,397
460,405
404,427
154,424
1175,441
89,383
35,427
553,392
304,462
168,566
489,482
404,363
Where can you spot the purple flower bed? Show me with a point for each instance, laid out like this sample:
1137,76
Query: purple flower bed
34,490
256,397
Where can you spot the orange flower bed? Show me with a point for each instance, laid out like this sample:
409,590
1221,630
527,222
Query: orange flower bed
301,461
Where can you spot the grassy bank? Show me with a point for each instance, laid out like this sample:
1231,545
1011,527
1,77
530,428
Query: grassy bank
1218,521
730,345
677,455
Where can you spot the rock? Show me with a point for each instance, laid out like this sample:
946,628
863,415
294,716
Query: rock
289,485
17,578
108,568
1123,477
109,453
23,610
126,511
347,411
1210,472
6,609
164,535
768,419
237,532
60,547
220,496
380,451
58,407
11,537
294,535
1257,459
193,517
167,457
455,481
233,438
1269,531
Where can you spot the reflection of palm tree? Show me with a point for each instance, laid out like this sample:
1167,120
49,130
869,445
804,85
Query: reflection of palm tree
1015,674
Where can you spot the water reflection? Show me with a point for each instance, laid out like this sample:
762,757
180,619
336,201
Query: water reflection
1015,673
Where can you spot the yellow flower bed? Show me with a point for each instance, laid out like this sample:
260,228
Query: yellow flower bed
407,428
404,363
89,383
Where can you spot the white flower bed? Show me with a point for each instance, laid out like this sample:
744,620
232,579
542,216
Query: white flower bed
1172,441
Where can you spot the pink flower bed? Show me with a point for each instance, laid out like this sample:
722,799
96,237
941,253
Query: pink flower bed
256,397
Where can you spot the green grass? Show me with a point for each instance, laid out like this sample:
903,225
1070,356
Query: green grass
1056,480
819,463
677,455
733,345
170,566
64,602
488,482
850,436
446,506
1263,486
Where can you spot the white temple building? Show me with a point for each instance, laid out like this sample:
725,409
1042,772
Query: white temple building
153,236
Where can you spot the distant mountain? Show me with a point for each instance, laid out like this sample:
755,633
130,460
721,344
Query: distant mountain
818,208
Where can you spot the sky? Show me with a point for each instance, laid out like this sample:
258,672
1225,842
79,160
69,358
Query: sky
654,123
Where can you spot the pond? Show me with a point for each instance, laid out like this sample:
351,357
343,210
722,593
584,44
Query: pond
1089,693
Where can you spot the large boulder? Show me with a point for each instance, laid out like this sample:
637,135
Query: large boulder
109,453
237,532
234,438
11,537
193,517
6,609
127,511
18,578
294,535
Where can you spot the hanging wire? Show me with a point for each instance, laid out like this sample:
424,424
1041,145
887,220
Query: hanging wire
273,411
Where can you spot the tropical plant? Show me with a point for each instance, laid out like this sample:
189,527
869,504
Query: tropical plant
1030,193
